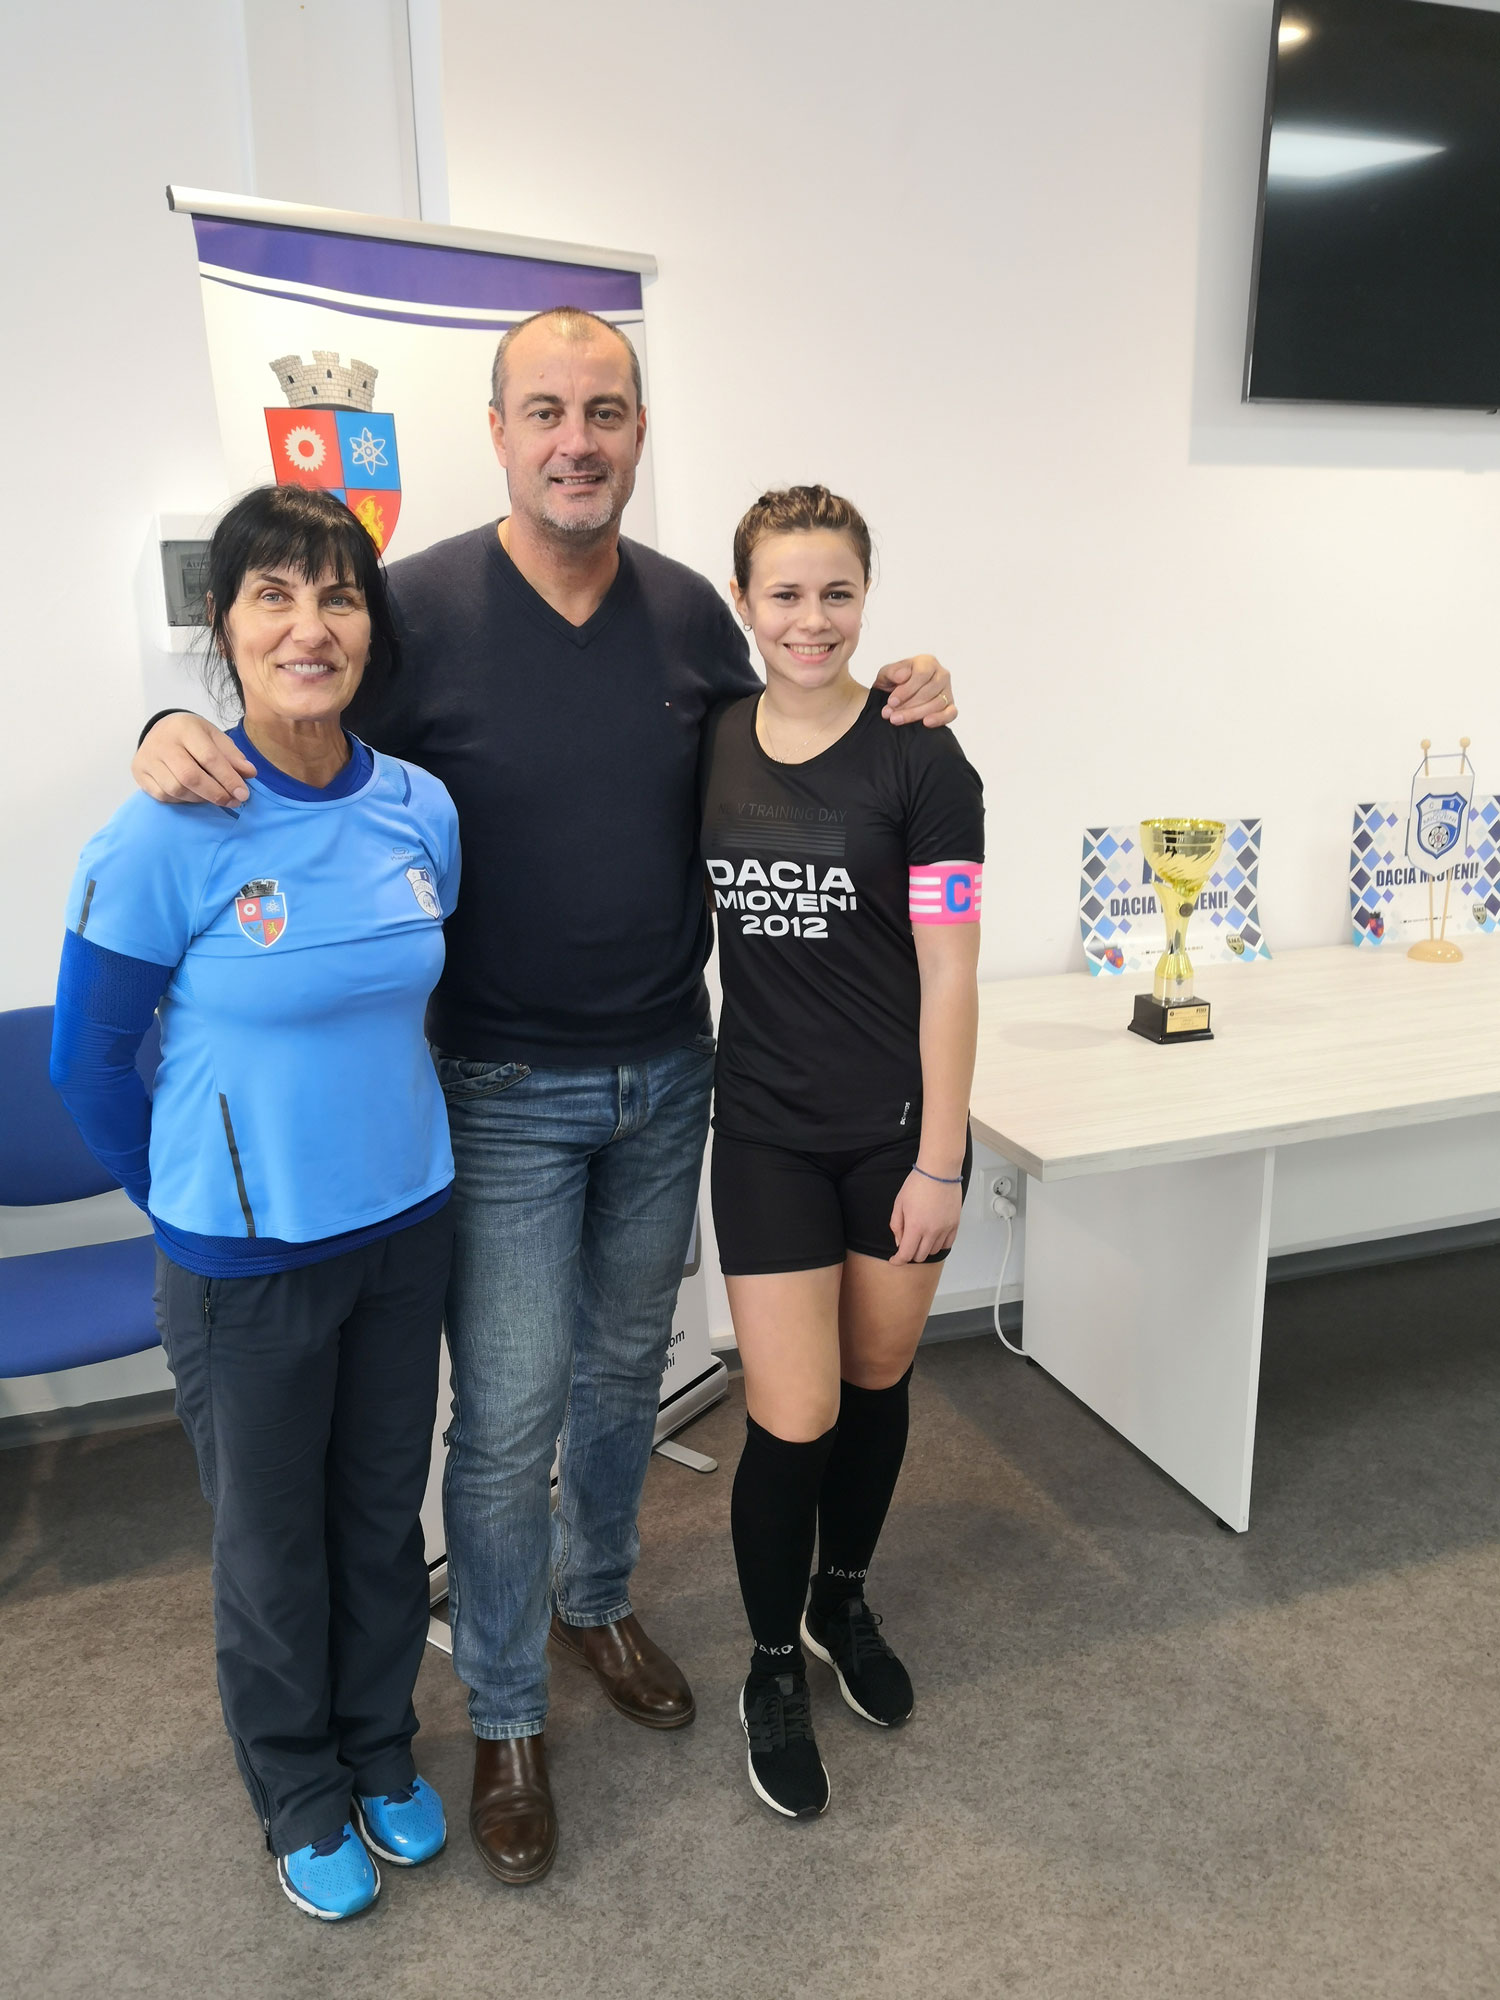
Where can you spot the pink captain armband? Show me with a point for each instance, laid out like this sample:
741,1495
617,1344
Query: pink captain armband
946,892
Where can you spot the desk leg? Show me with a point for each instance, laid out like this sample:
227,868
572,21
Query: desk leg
1144,1294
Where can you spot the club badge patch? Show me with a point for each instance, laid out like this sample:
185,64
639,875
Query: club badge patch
425,890
1440,824
261,910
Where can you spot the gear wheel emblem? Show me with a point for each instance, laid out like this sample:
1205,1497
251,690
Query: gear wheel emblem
305,449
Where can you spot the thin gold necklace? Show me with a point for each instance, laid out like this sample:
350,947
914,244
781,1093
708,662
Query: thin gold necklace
831,734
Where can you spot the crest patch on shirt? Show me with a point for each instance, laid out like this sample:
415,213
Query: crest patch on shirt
261,910
425,890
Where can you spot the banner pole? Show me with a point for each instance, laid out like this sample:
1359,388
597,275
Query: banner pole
1427,773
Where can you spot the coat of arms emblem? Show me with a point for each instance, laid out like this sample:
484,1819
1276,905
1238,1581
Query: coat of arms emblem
1440,821
331,436
425,890
261,910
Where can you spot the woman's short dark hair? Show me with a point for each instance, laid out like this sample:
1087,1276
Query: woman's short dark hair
309,534
799,510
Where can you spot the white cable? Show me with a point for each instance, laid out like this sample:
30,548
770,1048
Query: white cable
1006,1210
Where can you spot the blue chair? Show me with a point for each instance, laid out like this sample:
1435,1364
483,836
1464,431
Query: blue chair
62,1308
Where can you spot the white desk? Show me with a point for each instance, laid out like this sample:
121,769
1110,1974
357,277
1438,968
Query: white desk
1149,1196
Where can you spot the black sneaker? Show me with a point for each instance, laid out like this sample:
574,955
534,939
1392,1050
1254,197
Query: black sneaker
785,1768
871,1679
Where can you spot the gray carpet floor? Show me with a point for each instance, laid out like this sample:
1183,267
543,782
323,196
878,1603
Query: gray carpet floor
1149,1758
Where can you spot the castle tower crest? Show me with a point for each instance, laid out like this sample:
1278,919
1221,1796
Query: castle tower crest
325,383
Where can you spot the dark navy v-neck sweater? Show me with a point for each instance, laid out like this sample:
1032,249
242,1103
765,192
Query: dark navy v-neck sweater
571,753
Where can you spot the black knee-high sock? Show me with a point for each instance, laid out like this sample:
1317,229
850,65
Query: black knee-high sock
773,1515
858,1482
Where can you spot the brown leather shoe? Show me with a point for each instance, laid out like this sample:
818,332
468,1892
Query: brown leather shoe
511,1815
636,1675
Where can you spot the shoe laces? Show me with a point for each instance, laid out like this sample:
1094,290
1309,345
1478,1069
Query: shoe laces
863,1626
330,1844
778,1715
402,1798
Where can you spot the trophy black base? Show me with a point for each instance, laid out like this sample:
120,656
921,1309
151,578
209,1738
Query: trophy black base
1171,1020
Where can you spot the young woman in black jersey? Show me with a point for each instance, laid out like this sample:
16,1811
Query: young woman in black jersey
845,865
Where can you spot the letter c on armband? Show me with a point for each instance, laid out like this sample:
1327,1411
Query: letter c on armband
946,892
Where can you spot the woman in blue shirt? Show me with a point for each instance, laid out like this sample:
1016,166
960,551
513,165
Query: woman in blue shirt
294,1161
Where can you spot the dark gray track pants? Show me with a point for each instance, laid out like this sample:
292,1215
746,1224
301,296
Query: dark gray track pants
309,1397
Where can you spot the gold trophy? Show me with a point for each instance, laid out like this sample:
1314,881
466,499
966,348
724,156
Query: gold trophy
1182,853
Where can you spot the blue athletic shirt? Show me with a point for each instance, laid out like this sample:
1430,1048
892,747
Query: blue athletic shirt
292,943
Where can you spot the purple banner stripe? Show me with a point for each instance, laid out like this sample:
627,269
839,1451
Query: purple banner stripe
420,273
495,326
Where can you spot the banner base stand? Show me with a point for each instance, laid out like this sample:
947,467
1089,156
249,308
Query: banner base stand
689,1402
695,1461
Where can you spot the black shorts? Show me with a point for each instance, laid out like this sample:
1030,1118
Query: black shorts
779,1210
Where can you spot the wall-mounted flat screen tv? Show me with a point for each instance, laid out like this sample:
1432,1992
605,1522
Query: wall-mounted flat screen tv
1377,255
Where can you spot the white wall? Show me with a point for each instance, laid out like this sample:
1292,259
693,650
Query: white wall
108,406
987,270
328,99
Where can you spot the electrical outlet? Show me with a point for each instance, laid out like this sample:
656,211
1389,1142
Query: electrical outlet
1002,1181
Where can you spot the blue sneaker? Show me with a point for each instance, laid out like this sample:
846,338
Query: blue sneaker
406,1827
331,1879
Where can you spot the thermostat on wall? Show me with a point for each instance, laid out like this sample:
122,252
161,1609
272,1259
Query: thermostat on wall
184,567
181,577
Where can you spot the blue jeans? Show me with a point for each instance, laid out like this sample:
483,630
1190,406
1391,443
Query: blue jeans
574,1199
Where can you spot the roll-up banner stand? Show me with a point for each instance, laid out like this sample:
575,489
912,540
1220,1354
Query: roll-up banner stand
353,353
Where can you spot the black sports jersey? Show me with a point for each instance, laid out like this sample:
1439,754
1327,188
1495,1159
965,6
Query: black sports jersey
808,875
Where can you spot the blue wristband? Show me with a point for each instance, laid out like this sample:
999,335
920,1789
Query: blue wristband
941,1179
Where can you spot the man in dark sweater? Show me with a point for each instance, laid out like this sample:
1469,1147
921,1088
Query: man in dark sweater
556,679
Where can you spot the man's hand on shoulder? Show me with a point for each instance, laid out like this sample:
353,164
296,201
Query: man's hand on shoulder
184,761
920,690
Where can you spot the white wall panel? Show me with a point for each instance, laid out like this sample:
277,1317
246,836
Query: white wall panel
330,103
108,410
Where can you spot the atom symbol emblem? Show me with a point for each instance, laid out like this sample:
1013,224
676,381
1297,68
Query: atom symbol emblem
367,450
305,448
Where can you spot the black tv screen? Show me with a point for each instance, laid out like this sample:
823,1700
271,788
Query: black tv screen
1377,259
